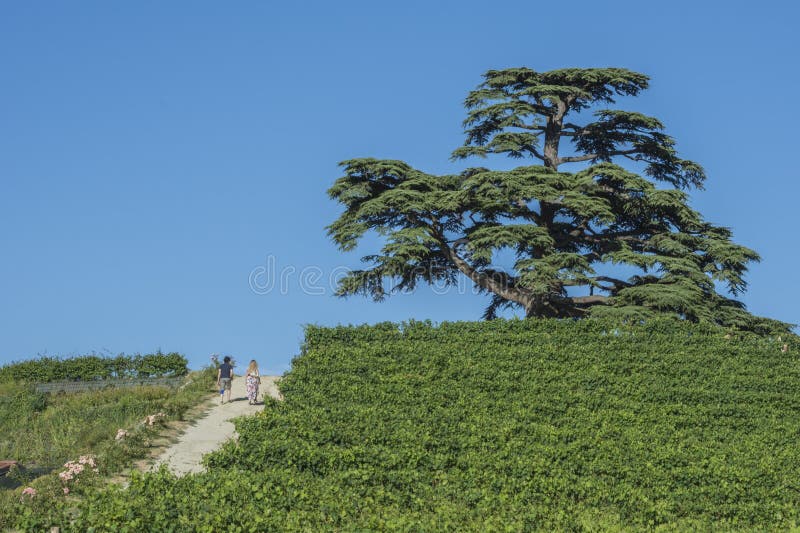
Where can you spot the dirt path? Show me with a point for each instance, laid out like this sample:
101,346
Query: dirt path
214,428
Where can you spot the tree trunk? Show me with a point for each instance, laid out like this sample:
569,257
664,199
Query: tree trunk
552,136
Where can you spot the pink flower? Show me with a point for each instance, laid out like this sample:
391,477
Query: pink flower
73,468
86,460
29,491
66,490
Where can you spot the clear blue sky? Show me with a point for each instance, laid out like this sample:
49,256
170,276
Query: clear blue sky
153,154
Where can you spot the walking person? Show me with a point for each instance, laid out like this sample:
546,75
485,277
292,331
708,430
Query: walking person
224,378
253,380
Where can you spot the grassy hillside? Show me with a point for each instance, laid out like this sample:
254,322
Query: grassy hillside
45,431
49,429
505,425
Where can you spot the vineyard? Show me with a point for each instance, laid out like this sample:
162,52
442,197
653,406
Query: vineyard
501,425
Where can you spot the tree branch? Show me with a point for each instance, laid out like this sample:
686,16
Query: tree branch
588,157
630,235
578,130
588,300
536,153
481,279
528,213
615,281
529,127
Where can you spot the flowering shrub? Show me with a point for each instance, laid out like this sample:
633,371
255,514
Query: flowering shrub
76,468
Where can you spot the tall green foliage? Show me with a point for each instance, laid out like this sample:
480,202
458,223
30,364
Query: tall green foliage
43,431
92,367
505,425
569,230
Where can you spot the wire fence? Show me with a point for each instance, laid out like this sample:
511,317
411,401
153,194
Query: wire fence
79,386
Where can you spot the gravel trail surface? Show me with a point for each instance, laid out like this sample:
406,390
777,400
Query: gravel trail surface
215,427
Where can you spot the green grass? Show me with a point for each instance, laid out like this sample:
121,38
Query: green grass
507,425
44,431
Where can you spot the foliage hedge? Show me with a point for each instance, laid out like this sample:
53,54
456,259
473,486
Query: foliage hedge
502,425
91,367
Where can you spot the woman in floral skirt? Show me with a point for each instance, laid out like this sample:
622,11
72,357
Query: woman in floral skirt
252,380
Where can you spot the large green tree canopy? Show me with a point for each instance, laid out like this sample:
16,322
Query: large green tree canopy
569,230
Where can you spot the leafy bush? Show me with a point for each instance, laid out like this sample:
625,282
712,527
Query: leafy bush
91,367
502,425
